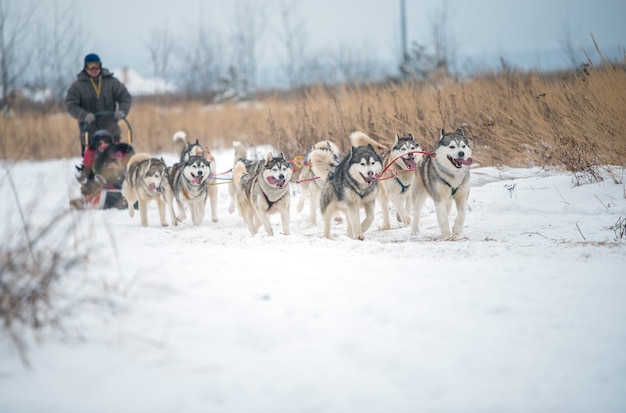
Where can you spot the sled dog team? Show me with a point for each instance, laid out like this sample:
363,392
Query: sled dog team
402,175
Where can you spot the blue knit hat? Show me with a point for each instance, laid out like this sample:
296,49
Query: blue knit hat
92,58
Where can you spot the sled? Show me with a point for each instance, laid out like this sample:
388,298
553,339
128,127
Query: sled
105,196
104,191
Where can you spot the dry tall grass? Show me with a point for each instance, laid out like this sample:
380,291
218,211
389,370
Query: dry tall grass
570,120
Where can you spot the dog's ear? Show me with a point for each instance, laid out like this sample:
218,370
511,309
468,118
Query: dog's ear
269,158
460,132
443,132
411,136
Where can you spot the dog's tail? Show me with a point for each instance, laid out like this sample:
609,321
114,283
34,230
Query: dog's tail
239,170
136,158
331,146
241,152
180,142
358,138
321,163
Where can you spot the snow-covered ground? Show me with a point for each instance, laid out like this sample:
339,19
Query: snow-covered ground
525,313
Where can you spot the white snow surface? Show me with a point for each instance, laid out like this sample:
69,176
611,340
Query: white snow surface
526,312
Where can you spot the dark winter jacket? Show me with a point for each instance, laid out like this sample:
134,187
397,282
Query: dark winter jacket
81,99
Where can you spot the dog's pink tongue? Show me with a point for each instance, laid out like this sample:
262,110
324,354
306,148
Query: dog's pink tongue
467,161
410,163
152,187
197,179
273,181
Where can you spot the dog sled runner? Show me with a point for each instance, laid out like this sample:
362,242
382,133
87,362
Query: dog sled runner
102,187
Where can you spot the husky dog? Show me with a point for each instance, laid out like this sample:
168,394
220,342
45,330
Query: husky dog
262,188
351,186
444,177
186,150
397,177
189,181
146,180
318,163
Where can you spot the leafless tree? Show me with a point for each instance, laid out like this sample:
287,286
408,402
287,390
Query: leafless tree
201,63
161,46
355,65
292,35
249,26
14,35
417,64
567,46
60,46
444,42
318,68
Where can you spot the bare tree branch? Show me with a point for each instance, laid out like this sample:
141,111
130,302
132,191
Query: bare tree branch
249,26
292,34
14,34
161,46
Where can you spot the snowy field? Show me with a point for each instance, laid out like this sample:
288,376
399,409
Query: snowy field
525,313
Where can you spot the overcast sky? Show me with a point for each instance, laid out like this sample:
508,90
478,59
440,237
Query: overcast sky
118,30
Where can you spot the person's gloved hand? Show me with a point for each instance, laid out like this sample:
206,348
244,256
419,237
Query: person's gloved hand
90,117
119,114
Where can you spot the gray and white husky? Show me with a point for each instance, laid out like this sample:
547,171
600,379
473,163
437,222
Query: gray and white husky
262,189
351,186
146,180
186,149
445,177
189,181
398,174
321,159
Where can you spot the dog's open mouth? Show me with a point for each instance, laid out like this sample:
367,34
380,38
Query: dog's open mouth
459,162
409,161
197,179
152,187
279,183
369,179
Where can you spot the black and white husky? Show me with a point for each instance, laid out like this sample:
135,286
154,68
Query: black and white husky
351,186
189,181
397,177
262,189
444,177
146,180
187,149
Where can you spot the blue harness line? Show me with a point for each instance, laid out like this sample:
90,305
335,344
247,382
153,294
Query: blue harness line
404,187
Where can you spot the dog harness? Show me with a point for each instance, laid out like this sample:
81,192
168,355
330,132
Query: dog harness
453,189
421,164
404,187
269,203
186,193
